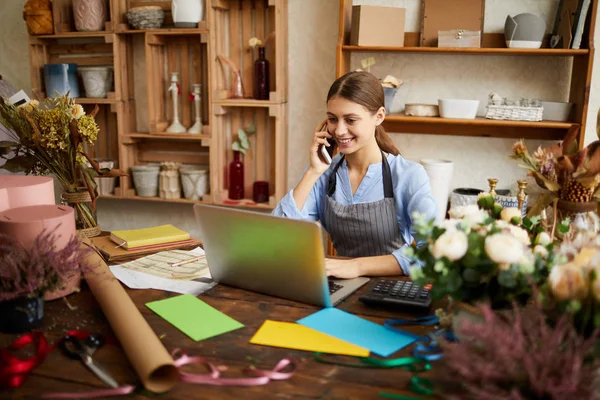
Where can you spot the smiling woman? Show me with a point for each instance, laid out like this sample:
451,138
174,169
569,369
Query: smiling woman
366,197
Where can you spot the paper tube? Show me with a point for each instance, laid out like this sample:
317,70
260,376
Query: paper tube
146,353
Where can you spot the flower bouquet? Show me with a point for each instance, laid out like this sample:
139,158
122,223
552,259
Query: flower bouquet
51,138
482,253
28,273
569,174
573,286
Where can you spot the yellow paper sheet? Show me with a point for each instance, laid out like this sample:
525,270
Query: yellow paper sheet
295,336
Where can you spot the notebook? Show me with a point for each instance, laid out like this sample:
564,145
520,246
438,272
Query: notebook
135,238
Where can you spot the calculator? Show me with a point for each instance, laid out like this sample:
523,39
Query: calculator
397,293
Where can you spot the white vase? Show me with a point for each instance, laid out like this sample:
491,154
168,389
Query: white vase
187,13
145,180
194,181
97,81
440,178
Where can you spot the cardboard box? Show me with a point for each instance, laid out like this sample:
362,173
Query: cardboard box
377,26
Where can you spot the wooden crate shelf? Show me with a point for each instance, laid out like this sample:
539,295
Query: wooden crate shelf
235,23
133,133
264,162
186,54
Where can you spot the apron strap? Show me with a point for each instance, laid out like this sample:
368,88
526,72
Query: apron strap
388,187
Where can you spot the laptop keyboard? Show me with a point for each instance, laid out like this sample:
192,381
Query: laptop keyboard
333,287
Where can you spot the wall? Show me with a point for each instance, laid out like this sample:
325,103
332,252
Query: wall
313,27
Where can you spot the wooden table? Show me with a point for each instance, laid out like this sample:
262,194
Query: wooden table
313,380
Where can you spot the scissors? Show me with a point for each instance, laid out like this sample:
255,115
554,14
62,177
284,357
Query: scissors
83,350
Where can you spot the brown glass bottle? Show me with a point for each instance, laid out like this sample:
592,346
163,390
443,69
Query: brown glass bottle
261,76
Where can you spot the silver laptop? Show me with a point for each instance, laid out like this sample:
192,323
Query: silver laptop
277,256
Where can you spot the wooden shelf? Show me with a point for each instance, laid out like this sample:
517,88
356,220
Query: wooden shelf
72,35
246,203
88,100
488,50
477,127
170,136
155,199
167,31
245,103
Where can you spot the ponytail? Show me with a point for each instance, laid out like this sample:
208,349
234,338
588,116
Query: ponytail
384,141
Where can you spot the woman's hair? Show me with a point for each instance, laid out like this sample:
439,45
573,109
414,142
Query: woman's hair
363,88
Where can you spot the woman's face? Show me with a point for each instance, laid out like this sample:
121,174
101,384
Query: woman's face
351,124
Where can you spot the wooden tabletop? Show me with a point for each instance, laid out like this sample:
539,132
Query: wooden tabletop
312,380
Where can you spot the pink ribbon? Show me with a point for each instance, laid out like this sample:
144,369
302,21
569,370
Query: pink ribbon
13,371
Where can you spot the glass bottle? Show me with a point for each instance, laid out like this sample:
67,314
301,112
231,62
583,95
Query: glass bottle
261,76
236,177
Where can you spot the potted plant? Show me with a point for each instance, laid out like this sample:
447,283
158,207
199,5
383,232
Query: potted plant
483,253
28,273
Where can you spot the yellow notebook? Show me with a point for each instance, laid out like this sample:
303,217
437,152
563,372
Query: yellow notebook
134,238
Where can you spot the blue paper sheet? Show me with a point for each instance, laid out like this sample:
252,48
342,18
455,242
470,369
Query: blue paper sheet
358,331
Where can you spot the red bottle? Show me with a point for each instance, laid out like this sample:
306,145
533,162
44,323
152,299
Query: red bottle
236,177
261,76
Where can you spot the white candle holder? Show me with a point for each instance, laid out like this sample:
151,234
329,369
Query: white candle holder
197,127
176,126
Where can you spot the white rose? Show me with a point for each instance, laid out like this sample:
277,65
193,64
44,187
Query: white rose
520,233
568,282
452,245
476,218
462,211
541,250
526,264
503,248
508,214
449,224
543,238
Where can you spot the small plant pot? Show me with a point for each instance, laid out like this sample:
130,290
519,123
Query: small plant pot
90,15
194,181
21,315
389,94
145,180
97,81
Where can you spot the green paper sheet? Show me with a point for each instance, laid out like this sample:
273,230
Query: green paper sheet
194,317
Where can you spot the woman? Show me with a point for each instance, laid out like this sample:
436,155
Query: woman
366,197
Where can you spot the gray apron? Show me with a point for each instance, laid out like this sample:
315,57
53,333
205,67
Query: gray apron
363,230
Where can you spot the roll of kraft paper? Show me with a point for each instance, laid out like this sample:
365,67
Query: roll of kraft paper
146,353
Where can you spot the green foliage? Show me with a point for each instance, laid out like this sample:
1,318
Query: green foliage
242,143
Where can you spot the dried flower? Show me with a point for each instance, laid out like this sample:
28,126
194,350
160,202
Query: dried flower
518,355
519,149
253,42
77,111
568,282
41,268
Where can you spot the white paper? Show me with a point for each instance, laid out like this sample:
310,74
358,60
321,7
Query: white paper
141,280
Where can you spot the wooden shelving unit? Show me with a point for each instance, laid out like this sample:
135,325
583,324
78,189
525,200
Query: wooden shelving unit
226,29
492,45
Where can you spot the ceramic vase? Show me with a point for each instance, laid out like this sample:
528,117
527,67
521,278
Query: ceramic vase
187,13
61,79
106,185
90,15
194,180
97,81
440,178
176,126
196,95
168,181
145,180
524,31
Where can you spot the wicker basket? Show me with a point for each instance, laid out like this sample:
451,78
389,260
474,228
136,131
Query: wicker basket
514,113
146,17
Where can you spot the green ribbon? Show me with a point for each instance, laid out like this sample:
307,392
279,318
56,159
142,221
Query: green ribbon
421,386
413,364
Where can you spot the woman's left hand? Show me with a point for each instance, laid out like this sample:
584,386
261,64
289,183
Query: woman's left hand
343,269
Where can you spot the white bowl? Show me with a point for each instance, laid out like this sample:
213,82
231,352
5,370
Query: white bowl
456,108
556,110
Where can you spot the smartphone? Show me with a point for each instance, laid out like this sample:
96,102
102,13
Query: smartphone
327,151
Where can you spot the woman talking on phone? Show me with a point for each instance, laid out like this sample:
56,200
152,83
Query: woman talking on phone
366,196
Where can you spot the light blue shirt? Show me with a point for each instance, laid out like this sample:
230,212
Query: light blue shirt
412,193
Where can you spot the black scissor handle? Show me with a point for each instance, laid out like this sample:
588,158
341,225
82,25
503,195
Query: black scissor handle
73,347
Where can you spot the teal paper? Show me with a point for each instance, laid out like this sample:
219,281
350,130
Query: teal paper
342,325
194,317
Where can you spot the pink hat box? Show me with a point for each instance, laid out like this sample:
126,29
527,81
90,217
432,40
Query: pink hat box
26,223
4,203
26,190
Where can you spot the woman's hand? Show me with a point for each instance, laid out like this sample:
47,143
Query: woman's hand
343,269
317,164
